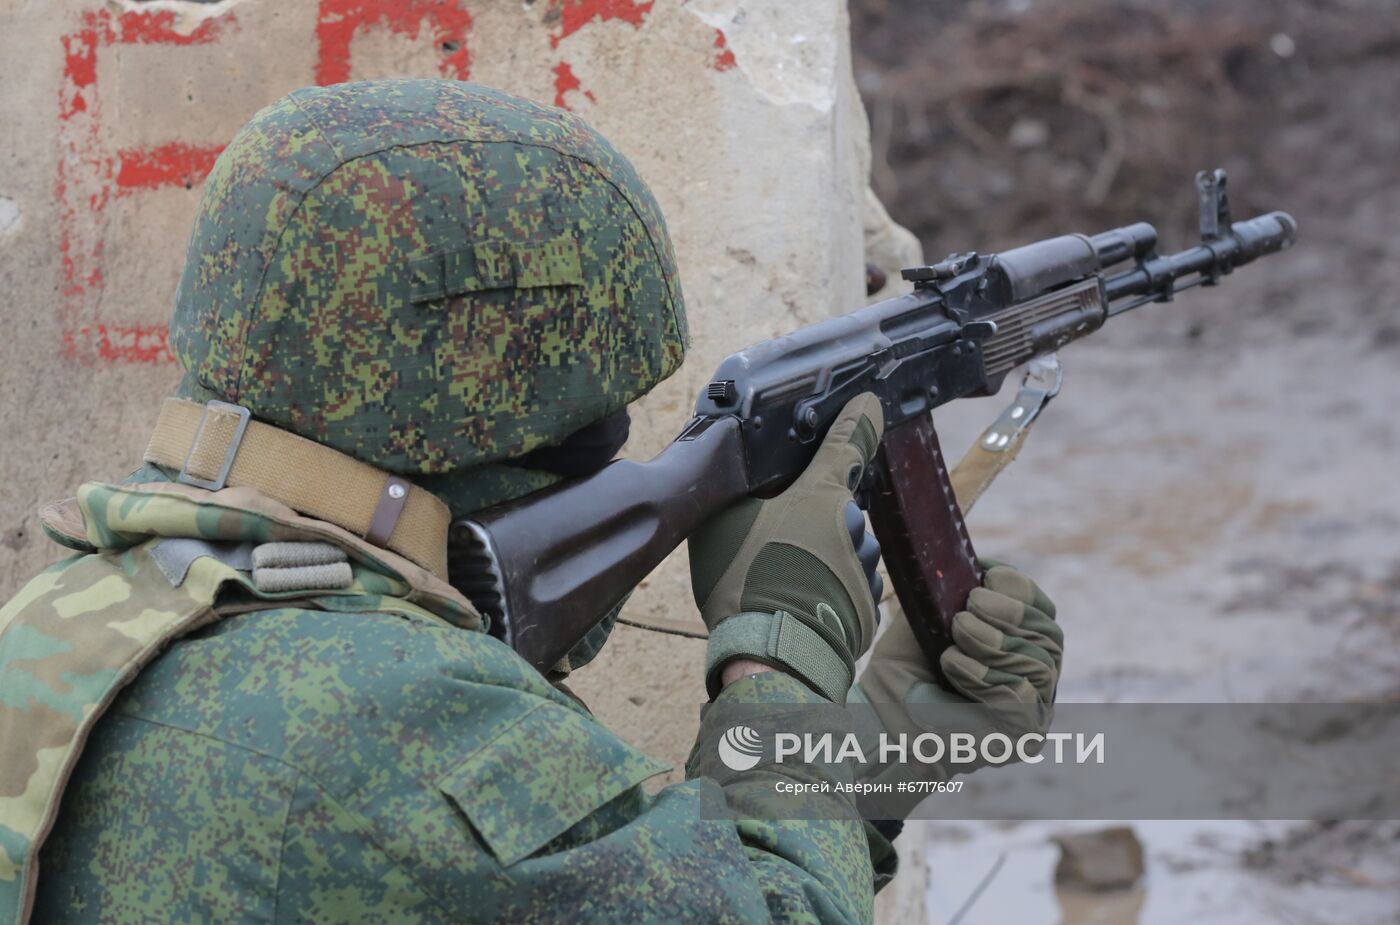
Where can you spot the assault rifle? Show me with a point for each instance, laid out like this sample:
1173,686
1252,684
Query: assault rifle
547,568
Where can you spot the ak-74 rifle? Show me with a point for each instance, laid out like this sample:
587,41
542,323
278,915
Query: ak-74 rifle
547,568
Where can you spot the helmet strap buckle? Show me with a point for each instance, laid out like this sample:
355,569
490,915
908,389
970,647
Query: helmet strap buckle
221,421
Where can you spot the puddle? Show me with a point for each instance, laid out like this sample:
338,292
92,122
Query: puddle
1196,872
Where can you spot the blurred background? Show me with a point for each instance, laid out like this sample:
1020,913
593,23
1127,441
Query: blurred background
1212,501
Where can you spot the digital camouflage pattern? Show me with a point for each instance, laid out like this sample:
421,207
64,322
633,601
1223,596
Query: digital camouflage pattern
426,275
359,757
84,627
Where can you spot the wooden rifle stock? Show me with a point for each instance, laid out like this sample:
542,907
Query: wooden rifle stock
922,535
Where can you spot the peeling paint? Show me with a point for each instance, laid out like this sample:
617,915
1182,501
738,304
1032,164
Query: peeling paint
174,164
573,15
87,173
724,56
187,15
565,82
339,20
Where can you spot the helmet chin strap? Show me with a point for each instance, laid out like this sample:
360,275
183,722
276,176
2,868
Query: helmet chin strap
217,445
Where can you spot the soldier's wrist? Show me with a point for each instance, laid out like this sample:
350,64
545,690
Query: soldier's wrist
736,669
785,641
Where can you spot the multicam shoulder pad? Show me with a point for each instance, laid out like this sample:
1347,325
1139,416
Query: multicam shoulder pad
69,642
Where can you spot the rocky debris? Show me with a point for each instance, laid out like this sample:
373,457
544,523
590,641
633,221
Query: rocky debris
1107,860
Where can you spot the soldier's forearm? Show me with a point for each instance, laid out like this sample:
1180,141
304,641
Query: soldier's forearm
812,857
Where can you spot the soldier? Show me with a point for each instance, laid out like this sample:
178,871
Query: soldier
252,693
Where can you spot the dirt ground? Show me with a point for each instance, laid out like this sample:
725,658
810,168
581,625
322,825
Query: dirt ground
1212,501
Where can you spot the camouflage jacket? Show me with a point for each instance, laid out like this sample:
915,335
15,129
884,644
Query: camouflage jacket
361,755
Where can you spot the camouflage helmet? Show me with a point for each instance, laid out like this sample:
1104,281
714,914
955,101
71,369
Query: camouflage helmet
427,275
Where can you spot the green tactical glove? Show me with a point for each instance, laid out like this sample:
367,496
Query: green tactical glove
1005,654
779,581
1007,646
1006,649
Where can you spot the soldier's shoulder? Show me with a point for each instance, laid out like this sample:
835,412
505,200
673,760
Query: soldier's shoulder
329,692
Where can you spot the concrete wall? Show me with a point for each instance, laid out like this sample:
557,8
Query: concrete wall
742,116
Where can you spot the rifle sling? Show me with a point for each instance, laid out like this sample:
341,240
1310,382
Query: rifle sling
979,467
998,445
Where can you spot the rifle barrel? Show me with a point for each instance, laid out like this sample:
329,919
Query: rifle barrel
1247,241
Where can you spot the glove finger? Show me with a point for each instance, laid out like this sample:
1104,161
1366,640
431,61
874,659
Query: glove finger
1014,584
1016,641
977,682
1010,654
1016,619
855,524
988,644
850,443
1014,656
868,552
1003,608
1044,631
869,556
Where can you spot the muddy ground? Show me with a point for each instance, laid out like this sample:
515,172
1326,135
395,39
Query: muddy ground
1212,501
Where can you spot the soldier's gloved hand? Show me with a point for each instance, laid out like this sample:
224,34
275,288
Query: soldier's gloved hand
1005,655
1006,646
1006,649
778,581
